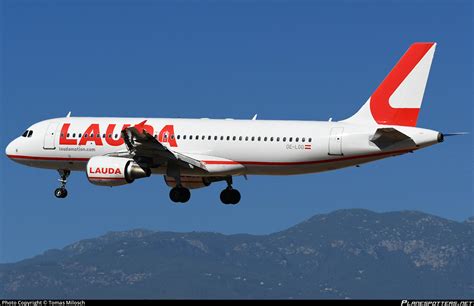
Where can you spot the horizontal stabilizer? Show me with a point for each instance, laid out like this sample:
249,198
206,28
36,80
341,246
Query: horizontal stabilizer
389,137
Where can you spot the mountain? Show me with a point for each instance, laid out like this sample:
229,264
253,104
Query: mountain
344,254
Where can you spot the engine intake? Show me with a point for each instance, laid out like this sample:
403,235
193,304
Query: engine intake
114,171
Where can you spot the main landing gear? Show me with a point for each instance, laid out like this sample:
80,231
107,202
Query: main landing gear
61,192
230,195
180,194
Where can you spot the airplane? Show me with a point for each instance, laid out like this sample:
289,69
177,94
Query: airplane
194,153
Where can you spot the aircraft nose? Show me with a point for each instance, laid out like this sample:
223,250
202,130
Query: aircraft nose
10,149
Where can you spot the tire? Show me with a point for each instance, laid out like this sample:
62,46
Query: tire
225,196
175,195
185,195
60,193
234,196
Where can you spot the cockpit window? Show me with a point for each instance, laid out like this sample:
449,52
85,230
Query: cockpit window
27,133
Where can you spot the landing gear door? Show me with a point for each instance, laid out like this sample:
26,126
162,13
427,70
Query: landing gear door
50,136
335,141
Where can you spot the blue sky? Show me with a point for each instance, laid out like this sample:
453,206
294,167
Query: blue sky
304,60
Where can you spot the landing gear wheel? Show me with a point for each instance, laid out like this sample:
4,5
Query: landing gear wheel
60,193
225,198
185,195
180,194
235,196
230,196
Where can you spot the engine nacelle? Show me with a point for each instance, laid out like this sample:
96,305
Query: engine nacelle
191,182
114,171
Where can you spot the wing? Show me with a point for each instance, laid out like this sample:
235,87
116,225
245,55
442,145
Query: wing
390,137
142,146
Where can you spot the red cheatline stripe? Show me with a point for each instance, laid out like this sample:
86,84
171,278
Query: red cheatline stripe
230,162
47,158
105,178
258,163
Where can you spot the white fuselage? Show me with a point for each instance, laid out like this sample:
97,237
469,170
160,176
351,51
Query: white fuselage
226,147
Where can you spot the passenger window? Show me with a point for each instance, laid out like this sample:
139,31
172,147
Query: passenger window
265,139
278,139
309,139
284,139
73,135
85,135
190,137
253,138
234,138
116,136
215,137
103,135
240,138
296,139
203,137
302,139
80,135
246,138
184,137
290,139
197,137
271,138
228,138
259,138
222,137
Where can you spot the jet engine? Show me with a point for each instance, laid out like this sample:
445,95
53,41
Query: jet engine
114,171
191,182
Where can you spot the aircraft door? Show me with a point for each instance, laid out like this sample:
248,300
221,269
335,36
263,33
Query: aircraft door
335,141
50,136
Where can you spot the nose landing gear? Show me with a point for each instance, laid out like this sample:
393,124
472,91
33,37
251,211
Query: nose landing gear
61,192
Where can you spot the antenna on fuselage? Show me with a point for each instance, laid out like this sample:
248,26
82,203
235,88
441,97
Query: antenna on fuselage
68,115
254,117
